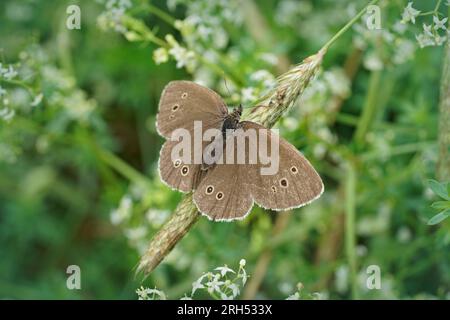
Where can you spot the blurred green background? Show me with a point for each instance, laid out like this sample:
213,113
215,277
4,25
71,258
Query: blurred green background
79,149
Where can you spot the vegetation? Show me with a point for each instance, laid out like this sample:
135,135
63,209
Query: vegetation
79,149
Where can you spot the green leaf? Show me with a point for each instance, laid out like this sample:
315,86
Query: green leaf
439,217
441,205
439,188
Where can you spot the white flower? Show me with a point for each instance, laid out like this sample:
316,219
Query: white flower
123,212
7,114
156,217
439,40
399,27
197,284
242,263
10,73
427,30
224,270
373,62
144,293
135,233
410,14
248,94
220,38
244,276
295,296
234,289
223,296
160,55
404,234
424,40
270,58
37,100
342,277
183,56
319,150
263,76
439,24
214,284
204,31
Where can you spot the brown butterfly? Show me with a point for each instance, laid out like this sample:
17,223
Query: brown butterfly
226,191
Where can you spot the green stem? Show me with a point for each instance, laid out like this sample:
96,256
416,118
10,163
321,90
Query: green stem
398,150
347,26
369,109
434,12
160,14
122,167
350,232
437,6
443,165
21,84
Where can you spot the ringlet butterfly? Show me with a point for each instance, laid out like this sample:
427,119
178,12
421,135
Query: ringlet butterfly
227,191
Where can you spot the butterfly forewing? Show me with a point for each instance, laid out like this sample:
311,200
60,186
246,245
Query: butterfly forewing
183,102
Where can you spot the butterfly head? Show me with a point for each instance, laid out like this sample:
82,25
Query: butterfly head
236,113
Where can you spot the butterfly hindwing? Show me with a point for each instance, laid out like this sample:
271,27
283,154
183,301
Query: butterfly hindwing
175,173
220,195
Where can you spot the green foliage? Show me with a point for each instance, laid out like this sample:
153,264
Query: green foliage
79,149
443,191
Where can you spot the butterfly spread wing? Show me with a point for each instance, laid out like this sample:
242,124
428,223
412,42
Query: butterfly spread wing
293,185
182,103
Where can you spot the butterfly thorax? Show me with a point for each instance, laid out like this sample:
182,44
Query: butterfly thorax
231,121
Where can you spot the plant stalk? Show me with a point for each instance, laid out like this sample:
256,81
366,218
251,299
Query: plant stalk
350,232
443,166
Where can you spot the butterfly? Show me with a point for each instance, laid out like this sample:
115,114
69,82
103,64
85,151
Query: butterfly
226,191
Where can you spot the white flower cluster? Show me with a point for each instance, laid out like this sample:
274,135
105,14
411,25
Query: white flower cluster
401,49
434,34
8,72
219,284
298,295
224,283
7,114
112,17
150,294
122,216
203,26
123,212
17,97
139,201
431,35
203,32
